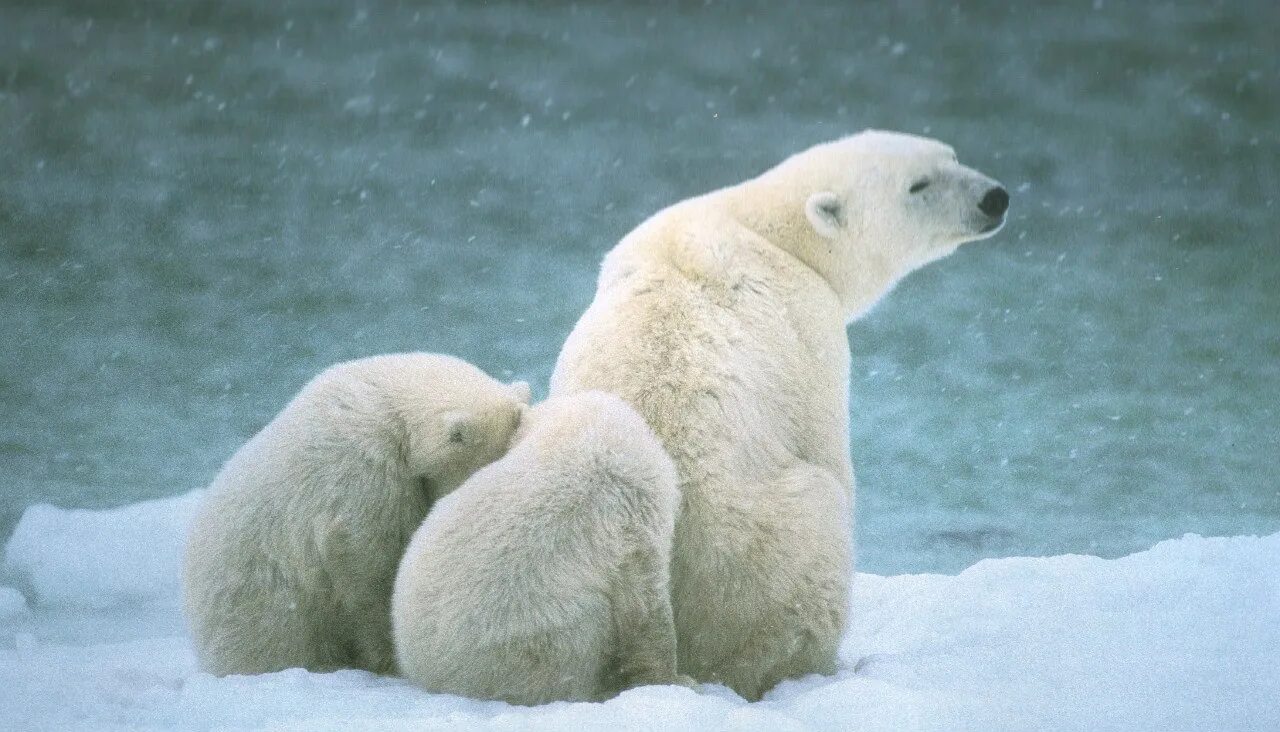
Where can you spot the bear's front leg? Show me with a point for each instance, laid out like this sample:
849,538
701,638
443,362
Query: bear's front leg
372,631
797,605
363,580
643,626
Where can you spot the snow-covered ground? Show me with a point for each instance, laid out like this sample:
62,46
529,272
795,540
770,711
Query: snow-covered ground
1182,636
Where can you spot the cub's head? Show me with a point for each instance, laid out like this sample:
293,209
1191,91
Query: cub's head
427,416
440,417
877,205
459,422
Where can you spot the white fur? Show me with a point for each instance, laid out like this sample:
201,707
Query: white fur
291,560
722,320
545,576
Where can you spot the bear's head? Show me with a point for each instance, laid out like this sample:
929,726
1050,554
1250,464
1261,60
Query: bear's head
459,425
428,417
866,210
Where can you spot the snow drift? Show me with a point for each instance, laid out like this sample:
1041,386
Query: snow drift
101,559
1182,636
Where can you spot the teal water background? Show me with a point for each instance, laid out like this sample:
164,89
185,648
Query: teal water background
202,204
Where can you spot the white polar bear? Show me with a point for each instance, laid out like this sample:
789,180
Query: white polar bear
291,560
546,575
722,321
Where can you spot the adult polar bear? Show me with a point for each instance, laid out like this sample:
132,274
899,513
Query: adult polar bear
722,320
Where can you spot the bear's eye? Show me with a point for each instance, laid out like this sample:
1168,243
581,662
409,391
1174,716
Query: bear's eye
919,185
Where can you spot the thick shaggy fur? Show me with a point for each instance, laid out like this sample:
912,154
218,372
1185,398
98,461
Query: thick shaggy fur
291,560
545,576
722,321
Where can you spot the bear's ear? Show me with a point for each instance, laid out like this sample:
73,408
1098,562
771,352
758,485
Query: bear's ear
825,212
520,390
457,427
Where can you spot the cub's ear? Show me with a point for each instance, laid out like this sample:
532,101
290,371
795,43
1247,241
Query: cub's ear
520,390
825,212
458,427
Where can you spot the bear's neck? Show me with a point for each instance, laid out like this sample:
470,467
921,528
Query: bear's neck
775,211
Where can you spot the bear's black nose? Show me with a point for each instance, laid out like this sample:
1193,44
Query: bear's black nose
995,202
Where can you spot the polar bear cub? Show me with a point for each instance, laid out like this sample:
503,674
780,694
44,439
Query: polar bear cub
291,560
545,576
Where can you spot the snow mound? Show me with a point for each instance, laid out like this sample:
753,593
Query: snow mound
12,603
101,559
1182,636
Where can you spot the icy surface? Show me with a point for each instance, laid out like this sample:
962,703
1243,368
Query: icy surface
203,204
101,559
12,603
1181,636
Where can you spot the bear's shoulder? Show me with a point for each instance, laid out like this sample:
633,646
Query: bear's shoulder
698,241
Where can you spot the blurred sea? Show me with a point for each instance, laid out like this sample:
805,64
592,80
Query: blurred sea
202,204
